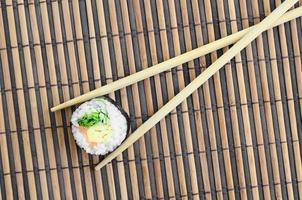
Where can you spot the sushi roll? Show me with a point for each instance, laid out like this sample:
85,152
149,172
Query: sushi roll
99,125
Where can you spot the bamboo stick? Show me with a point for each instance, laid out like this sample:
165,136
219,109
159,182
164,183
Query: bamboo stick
170,161
290,104
84,74
149,104
109,178
120,164
210,71
146,167
22,155
142,166
255,97
50,68
108,73
30,101
42,159
246,117
280,135
235,118
4,139
76,173
298,72
246,122
231,91
61,133
188,129
175,124
213,143
273,156
168,64
200,128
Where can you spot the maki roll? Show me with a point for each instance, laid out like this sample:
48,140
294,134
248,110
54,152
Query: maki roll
99,125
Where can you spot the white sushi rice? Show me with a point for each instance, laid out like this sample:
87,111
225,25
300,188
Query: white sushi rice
117,120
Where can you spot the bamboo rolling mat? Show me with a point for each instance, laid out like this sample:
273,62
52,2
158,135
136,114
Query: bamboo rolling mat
238,136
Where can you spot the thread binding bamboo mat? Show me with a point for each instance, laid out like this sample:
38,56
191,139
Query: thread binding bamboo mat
238,136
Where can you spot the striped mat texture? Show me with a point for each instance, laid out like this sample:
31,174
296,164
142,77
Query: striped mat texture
238,136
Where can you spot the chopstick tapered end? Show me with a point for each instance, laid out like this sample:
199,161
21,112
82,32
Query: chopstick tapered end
99,166
58,107
53,109
80,99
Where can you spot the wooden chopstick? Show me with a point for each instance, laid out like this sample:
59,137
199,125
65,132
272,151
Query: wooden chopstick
173,62
254,32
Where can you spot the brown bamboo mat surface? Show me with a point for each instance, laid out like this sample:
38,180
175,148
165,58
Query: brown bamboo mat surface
238,136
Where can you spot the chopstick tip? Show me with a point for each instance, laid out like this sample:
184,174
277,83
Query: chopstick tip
97,167
54,109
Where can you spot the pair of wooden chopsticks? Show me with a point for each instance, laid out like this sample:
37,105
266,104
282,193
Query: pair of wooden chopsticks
171,63
243,37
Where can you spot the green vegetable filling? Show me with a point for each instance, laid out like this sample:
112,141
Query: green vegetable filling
93,118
